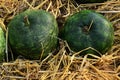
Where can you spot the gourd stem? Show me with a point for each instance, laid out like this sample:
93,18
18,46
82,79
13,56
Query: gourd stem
26,20
87,28
90,26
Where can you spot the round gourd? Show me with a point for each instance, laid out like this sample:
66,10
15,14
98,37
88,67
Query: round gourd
88,29
2,45
32,33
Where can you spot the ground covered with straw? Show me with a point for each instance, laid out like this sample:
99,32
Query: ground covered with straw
62,66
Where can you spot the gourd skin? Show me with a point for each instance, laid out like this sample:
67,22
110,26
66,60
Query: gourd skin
2,45
32,33
88,29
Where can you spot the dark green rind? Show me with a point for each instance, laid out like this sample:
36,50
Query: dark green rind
100,36
2,45
40,35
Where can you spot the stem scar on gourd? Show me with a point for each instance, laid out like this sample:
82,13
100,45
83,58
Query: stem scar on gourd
26,20
87,28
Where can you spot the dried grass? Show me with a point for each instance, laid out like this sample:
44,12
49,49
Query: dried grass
62,66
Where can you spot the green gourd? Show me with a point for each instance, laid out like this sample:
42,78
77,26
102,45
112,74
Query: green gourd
33,34
2,45
88,29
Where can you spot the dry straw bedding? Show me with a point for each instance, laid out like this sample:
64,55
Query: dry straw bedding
62,66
